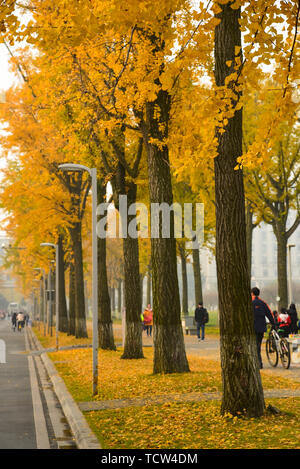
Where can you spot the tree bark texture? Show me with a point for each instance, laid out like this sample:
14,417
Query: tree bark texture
249,237
242,388
184,299
63,313
169,349
105,328
282,281
149,282
80,319
133,297
197,277
133,347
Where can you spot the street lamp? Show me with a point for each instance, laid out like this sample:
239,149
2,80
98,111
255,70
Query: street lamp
55,246
42,296
290,246
70,167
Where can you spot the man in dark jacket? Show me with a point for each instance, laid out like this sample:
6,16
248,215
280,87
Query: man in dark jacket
260,311
294,319
201,318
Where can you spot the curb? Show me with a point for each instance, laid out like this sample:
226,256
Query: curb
84,437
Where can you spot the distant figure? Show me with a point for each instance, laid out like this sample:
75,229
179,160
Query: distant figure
20,321
294,318
148,320
14,321
284,322
201,318
260,311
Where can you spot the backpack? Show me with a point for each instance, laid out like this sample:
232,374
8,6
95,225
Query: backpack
206,317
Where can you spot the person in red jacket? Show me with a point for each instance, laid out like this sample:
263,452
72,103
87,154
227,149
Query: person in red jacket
284,322
148,320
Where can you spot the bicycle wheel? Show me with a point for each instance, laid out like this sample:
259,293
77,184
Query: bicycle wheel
271,351
285,353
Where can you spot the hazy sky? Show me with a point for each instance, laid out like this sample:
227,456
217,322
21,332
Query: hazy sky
6,78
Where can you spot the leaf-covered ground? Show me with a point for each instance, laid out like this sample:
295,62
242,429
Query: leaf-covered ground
173,424
196,426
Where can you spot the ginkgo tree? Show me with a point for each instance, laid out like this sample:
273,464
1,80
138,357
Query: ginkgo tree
139,58
273,190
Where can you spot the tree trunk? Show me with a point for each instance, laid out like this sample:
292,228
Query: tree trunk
142,290
148,300
105,329
113,299
282,280
184,300
133,347
105,326
249,236
71,330
63,313
169,349
133,341
197,277
242,388
80,320
119,295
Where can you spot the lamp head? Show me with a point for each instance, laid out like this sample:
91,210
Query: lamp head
48,244
73,167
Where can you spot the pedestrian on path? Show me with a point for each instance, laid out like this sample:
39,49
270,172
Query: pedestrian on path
294,318
201,318
148,320
260,311
14,321
20,321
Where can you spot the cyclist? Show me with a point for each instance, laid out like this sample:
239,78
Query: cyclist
260,311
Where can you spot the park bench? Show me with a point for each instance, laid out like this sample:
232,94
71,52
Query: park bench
189,325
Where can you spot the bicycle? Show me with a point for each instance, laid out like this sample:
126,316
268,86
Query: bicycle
276,347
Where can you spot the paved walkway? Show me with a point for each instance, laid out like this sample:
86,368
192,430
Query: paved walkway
209,348
17,426
30,414
184,397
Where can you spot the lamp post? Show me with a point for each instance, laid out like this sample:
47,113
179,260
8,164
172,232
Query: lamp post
55,246
289,247
70,167
43,297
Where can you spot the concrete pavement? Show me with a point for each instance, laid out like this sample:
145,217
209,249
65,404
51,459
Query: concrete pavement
31,416
17,427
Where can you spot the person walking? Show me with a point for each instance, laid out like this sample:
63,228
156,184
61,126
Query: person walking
201,318
294,318
14,321
20,321
260,311
148,320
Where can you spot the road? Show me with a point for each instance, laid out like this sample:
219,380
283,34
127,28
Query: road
30,414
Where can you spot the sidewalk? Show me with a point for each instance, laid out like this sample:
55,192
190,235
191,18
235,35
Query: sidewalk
17,427
84,437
